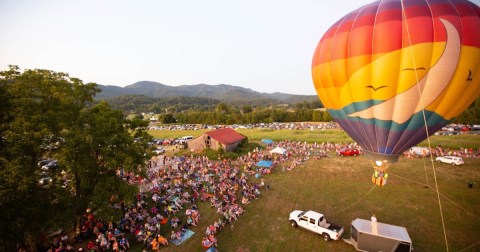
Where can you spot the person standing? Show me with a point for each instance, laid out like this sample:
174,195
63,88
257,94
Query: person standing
374,224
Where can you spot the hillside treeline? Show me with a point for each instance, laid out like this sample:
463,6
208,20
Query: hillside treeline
300,112
177,104
263,115
211,111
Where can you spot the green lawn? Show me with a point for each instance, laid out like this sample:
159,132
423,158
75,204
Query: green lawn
338,187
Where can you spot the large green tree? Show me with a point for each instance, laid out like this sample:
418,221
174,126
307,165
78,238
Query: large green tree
46,114
96,147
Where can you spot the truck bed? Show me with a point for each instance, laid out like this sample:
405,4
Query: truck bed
334,227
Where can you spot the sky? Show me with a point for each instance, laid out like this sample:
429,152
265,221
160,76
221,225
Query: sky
264,45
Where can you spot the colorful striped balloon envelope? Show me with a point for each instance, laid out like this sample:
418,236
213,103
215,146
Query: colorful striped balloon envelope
393,72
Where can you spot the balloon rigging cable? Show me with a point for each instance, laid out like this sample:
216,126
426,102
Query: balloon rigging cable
426,126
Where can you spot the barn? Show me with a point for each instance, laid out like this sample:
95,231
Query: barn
227,139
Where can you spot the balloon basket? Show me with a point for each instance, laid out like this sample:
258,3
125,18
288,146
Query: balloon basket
380,175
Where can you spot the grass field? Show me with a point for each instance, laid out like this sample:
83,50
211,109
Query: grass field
341,189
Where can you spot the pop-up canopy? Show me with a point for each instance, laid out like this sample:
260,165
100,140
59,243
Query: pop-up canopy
278,150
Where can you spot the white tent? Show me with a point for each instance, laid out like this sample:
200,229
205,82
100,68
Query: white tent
278,150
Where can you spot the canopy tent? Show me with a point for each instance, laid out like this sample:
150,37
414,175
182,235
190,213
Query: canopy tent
278,150
267,141
264,163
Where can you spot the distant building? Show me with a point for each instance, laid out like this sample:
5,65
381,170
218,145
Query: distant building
227,139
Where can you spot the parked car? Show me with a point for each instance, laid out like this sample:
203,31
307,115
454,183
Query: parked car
53,164
184,139
317,223
44,179
348,152
159,150
44,162
167,142
450,160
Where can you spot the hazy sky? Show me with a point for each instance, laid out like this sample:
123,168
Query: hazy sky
265,45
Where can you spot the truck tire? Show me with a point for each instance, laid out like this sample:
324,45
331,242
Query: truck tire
326,237
293,223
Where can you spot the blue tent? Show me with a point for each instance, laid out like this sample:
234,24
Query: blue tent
267,141
264,163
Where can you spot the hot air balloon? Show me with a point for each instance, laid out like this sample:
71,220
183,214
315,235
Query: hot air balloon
393,72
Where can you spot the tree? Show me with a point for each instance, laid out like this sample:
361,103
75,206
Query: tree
471,115
247,109
317,116
168,118
222,108
327,117
47,115
40,105
136,123
138,117
96,146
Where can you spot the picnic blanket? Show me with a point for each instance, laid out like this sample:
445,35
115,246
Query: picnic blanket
188,233
264,163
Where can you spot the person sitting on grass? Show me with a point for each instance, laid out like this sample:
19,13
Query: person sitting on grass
217,225
190,221
91,246
206,244
213,240
154,244
124,243
174,222
162,240
174,235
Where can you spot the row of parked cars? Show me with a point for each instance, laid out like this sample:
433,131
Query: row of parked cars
419,151
49,172
158,142
171,141
44,175
274,125
456,129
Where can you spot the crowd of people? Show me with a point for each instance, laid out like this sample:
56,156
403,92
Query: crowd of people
166,206
176,185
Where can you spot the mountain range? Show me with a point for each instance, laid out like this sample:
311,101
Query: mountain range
222,92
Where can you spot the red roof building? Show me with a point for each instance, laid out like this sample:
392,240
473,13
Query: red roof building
227,139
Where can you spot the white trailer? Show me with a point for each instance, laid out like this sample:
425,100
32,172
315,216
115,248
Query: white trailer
372,236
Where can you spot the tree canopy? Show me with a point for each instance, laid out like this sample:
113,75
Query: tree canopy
48,115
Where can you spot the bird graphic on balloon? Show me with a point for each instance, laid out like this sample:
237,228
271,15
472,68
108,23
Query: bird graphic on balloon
393,72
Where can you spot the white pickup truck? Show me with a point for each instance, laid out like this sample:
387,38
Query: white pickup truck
317,223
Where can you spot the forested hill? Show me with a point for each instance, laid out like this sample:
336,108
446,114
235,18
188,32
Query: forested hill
222,92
